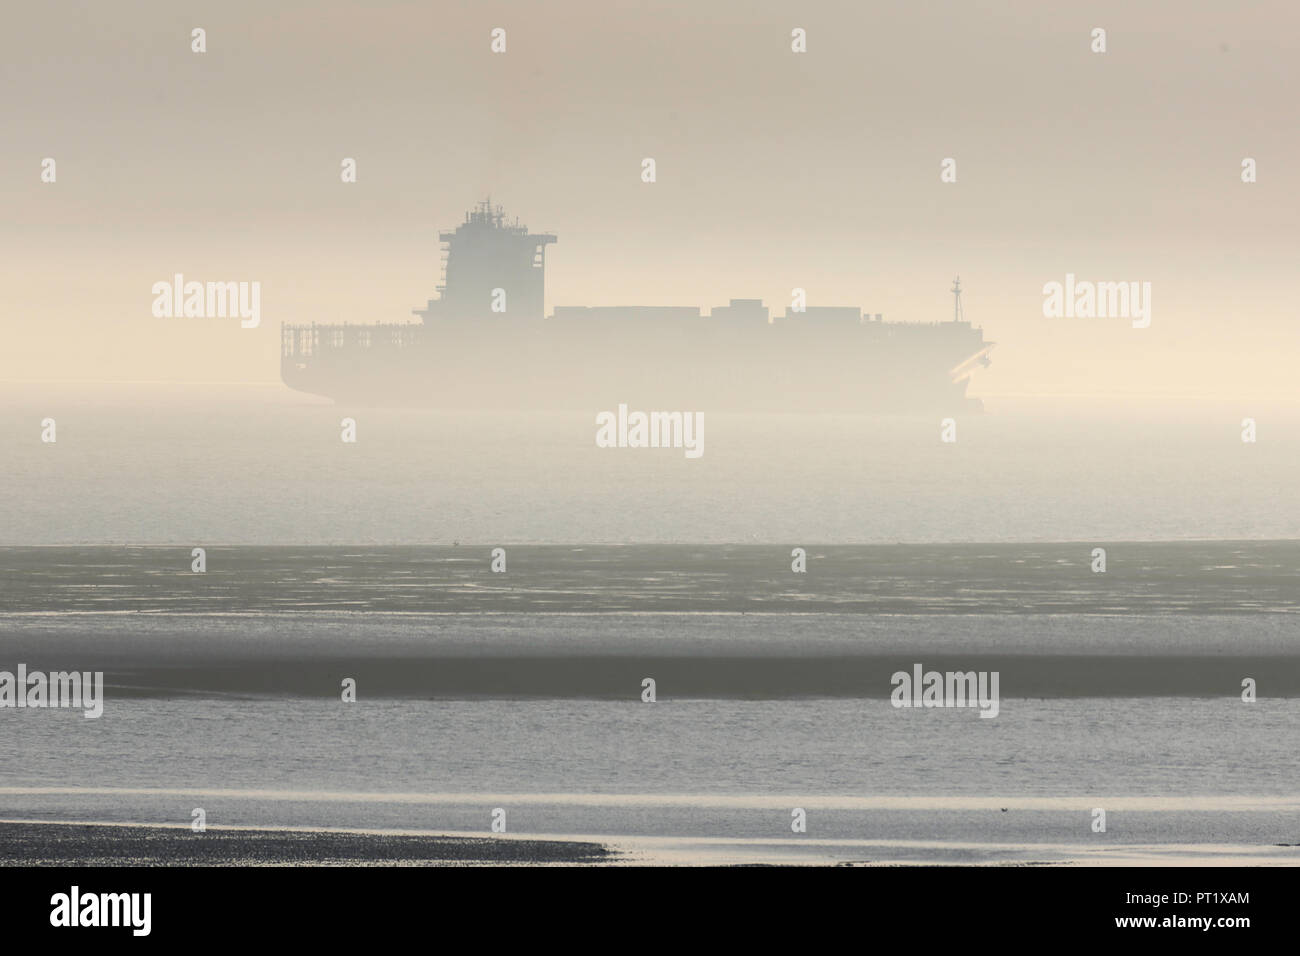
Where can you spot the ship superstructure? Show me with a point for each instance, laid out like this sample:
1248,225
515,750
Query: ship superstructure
485,254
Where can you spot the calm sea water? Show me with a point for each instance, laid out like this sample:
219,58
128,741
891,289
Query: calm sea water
522,690
1170,773
461,711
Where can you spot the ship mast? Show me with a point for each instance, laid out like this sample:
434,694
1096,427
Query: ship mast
956,300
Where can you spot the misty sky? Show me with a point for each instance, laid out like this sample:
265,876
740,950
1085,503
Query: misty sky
775,170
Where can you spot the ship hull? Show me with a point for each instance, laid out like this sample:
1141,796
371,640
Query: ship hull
696,364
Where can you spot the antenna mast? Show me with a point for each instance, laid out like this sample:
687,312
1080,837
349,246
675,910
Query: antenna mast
956,300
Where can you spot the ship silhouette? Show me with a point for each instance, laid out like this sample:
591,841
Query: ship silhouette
486,342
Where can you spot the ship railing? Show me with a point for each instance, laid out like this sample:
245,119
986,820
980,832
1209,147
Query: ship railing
313,339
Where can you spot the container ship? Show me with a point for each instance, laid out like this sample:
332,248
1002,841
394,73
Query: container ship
486,342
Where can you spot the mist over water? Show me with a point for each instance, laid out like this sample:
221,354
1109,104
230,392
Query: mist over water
260,465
